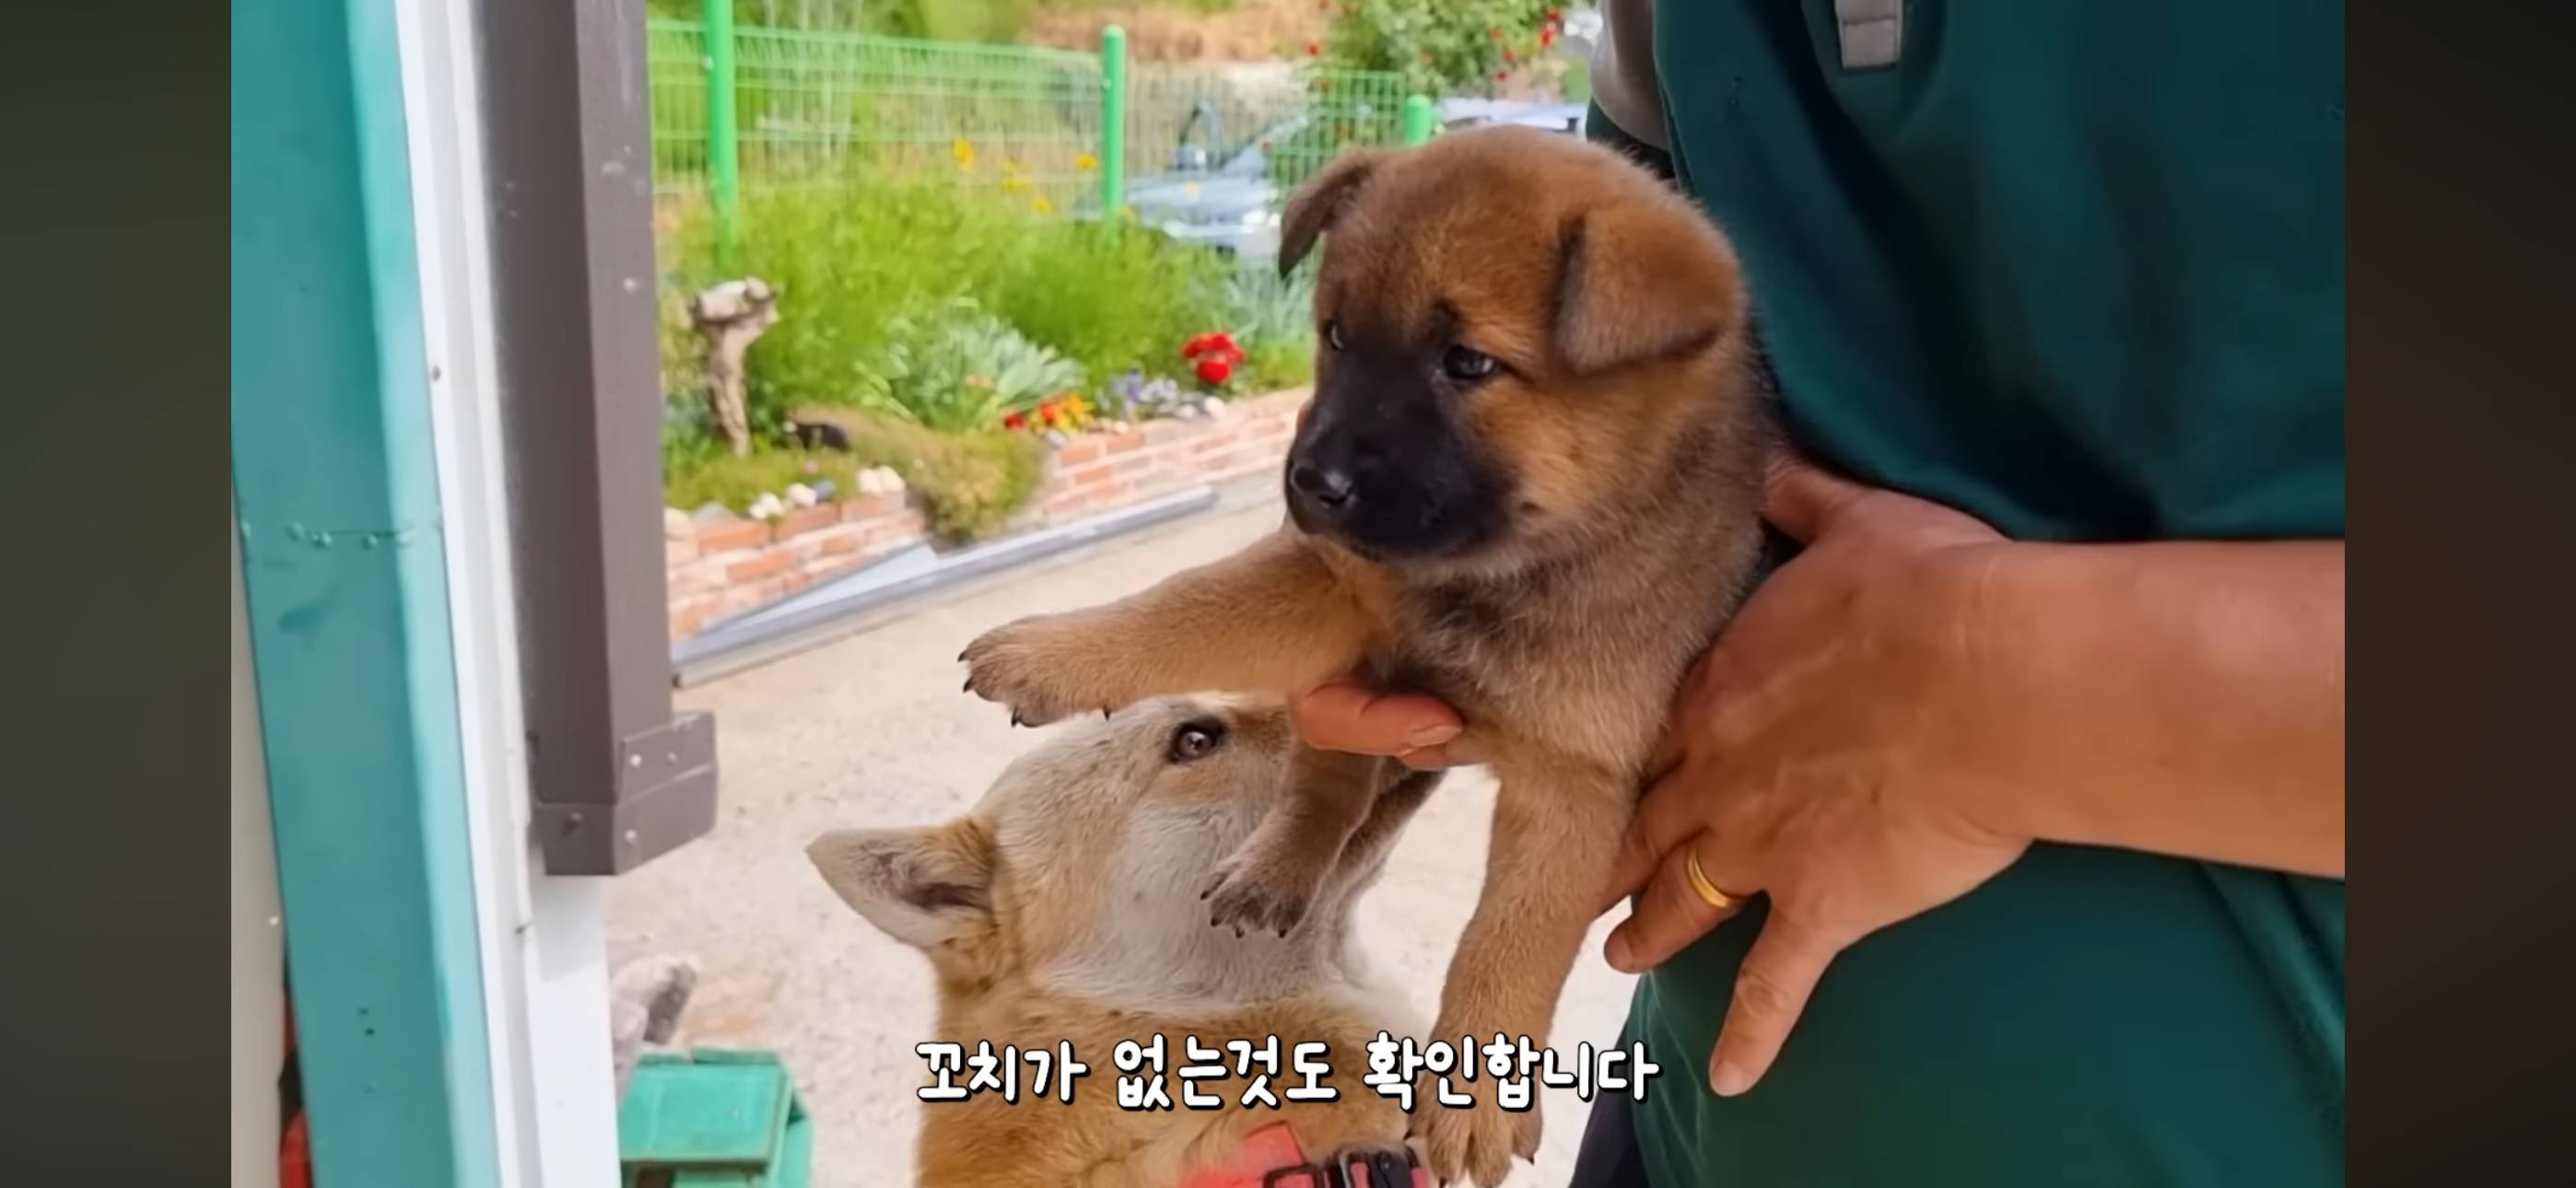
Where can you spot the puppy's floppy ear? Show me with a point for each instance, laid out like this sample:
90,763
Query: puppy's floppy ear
929,888
1320,201
1631,287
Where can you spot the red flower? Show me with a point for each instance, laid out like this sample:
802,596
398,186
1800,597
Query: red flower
1496,34
1014,421
1510,54
1554,15
1215,354
1547,37
1502,75
1313,48
1215,344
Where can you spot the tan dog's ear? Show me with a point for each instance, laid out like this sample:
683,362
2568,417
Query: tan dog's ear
1631,288
929,888
1320,201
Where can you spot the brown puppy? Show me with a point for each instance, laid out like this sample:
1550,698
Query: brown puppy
1527,483
1064,908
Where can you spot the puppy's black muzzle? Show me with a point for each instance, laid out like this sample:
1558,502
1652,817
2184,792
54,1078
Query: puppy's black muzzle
1393,474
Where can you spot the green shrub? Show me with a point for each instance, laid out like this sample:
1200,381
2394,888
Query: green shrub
851,262
1273,318
1270,364
1114,300
957,369
694,476
996,21
1441,47
1261,304
968,483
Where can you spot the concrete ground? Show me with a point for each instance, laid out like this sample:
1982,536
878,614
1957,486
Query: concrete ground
871,730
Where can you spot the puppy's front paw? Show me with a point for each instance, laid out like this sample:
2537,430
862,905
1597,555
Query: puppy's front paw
1021,666
1253,890
1476,1141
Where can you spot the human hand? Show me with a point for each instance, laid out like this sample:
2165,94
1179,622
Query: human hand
1347,716
1821,753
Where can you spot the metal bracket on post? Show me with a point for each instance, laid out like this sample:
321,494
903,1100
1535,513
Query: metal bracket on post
615,777
666,783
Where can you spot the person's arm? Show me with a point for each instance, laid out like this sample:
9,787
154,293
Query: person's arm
1899,711
1626,110
2182,698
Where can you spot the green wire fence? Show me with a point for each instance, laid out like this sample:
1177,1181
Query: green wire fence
747,106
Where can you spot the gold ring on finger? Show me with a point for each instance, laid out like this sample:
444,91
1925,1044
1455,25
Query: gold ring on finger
1707,890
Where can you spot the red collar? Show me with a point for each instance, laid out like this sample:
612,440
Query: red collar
1271,1158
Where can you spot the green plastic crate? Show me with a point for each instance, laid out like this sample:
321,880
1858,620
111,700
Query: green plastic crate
713,1118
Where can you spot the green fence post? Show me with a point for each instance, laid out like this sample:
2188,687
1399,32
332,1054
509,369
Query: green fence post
724,148
1418,119
1113,125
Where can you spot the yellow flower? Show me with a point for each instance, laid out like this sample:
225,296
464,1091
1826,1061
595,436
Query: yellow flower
964,152
1042,206
1085,162
1015,182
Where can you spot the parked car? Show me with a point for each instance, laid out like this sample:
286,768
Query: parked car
1566,118
1232,206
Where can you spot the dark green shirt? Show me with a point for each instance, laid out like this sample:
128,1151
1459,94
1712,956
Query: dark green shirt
2076,268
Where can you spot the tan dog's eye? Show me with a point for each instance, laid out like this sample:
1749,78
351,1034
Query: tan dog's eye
1333,334
1463,363
1195,739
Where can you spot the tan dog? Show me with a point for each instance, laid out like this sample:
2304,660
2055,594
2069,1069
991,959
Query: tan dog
1066,908
1528,484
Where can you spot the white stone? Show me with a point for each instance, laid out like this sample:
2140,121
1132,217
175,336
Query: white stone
677,525
879,480
800,495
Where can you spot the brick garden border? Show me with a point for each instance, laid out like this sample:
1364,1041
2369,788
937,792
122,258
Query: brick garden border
721,568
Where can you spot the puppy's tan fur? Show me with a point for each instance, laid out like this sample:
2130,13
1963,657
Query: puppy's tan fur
1629,416
1066,907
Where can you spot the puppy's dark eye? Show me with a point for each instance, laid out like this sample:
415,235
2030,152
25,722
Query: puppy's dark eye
1333,334
1463,363
1195,739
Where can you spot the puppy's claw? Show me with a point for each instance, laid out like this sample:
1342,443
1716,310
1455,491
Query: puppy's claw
1017,720
1250,901
1477,1142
